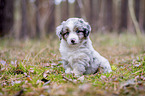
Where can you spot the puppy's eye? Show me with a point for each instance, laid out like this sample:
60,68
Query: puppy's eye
67,33
79,31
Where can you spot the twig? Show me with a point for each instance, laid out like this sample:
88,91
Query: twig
39,53
28,55
138,71
68,80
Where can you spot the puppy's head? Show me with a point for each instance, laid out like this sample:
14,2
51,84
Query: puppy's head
73,31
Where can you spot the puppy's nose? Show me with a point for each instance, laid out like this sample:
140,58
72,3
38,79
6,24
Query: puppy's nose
73,41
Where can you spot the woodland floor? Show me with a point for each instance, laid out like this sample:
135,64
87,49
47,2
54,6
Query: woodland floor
34,68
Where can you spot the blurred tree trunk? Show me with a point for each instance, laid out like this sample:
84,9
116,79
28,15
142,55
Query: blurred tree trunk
24,27
37,19
51,19
130,26
100,23
123,23
65,9
137,8
96,4
116,15
31,19
45,12
57,15
86,11
91,13
108,15
82,9
132,13
6,16
17,19
142,15
77,10
71,9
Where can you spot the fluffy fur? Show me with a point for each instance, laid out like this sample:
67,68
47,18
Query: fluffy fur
78,54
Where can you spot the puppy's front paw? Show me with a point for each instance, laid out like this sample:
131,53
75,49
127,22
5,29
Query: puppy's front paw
68,71
77,73
107,70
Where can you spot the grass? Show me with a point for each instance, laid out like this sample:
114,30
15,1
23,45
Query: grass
34,67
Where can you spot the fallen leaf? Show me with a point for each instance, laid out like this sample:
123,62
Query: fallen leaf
29,78
19,93
54,64
127,83
45,73
25,73
84,87
46,64
41,95
31,70
46,87
18,71
103,77
60,92
1,94
48,82
137,65
3,62
81,78
15,82
38,81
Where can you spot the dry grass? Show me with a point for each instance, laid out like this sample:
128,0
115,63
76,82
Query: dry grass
34,67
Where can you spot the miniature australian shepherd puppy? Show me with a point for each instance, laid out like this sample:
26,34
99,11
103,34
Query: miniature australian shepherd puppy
78,54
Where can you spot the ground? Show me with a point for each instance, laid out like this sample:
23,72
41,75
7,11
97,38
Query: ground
34,68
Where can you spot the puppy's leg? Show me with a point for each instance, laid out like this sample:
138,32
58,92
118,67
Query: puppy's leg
68,70
78,69
105,65
67,67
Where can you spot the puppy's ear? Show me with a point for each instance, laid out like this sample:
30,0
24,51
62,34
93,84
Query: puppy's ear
88,29
59,31
86,26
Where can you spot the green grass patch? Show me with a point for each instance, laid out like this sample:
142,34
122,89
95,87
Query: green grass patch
34,67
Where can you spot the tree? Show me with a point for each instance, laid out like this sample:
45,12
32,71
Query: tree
142,15
108,15
24,26
116,15
71,9
133,17
123,22
64,13
6,16
57,14
37,19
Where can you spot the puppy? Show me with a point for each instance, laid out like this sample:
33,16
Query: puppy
78,54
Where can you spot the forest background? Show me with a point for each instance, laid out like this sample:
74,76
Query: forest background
37,18
30,62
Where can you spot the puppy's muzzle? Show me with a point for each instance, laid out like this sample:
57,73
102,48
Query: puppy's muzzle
73,41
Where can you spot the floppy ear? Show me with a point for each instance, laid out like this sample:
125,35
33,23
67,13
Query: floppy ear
87,29
86,26
59,31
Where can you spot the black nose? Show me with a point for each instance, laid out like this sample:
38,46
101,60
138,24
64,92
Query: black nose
73,41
